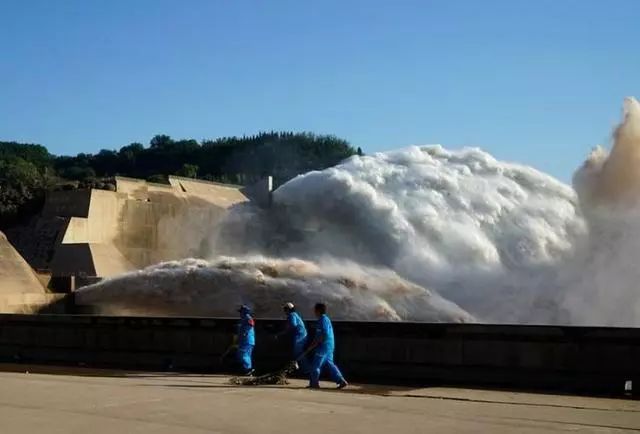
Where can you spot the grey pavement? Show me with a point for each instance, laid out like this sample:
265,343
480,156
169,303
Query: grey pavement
83,401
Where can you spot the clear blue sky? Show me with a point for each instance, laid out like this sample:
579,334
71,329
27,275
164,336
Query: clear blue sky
537,81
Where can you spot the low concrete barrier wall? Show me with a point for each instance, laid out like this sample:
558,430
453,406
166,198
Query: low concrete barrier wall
583,359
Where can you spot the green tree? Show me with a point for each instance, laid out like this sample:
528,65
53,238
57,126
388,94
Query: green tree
29,169
20,185
128,157
161,141
78,173
188,171
105,163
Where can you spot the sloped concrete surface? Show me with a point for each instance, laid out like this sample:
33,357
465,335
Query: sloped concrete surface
16,276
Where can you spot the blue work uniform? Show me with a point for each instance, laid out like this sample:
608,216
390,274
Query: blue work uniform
299,332
323,357
246,340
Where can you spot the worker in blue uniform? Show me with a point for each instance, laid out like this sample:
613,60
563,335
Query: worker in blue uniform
296,328
324,345
245,339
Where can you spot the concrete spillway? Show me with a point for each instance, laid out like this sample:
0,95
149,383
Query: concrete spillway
15,274
20,289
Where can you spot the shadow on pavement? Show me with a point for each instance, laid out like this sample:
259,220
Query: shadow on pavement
199,381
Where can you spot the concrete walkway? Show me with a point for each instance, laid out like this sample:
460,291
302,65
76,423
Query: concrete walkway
166,403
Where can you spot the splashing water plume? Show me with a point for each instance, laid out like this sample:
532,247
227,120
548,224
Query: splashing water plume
199,287
482,240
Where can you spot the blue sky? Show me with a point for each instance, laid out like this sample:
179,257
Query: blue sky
537,81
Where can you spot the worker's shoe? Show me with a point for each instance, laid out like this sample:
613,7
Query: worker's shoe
342,385
249,373
312,387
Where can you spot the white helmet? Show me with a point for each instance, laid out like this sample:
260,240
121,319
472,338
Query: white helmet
288,306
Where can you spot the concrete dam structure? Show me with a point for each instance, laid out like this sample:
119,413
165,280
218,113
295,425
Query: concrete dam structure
83,236
483,240
21,291
421,234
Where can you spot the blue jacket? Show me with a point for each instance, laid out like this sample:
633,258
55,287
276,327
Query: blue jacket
296,325
324,329
246,332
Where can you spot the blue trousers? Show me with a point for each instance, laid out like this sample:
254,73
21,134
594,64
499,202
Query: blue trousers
320,361
298,350
244,356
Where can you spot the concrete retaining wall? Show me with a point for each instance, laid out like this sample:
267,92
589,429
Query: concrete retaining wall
583,359
16,277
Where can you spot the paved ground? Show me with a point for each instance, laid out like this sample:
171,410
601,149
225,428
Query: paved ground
166,403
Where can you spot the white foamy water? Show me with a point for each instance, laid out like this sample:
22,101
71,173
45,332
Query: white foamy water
600,285
472,228
216,288
504,242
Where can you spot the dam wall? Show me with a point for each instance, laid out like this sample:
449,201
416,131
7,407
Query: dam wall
141,223
83,236
21,290
576,359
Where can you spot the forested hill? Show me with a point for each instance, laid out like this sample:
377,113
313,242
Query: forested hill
28,170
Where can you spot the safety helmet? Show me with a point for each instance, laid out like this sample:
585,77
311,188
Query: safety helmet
288,306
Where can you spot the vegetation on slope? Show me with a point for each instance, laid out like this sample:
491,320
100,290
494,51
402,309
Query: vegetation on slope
27,171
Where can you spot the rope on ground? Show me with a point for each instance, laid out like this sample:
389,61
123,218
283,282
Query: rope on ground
279,377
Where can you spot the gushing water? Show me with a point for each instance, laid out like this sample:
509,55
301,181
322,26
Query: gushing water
216,288
480,239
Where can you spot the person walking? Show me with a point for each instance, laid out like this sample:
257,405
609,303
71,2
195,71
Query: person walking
296,328
324,345
246,339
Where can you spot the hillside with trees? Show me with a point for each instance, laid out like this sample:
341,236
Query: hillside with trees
27,171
